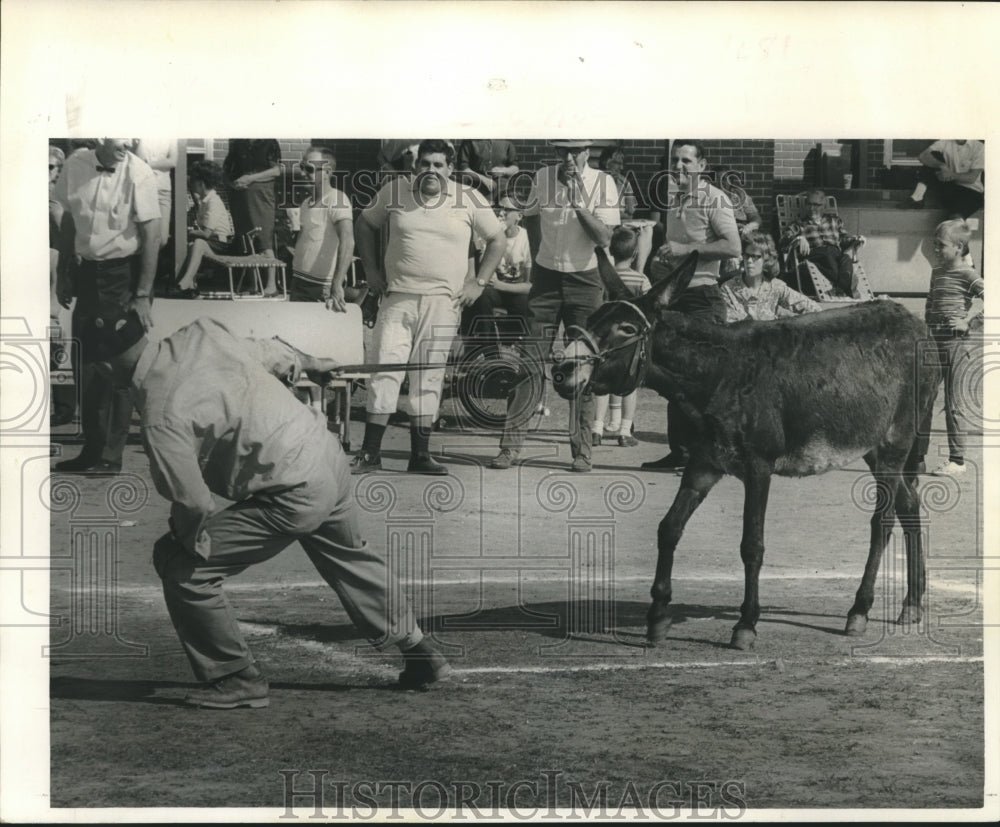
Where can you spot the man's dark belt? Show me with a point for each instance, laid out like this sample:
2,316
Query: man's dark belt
104,264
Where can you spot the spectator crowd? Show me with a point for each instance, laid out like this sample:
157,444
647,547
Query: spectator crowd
455,234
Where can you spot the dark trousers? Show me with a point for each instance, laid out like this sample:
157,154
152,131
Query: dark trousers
962,409
556,297
703,303
836,265
954,198
103,289
478,320
301,290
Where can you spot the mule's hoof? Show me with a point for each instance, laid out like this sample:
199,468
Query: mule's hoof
856,625
655,632
909,616
743,639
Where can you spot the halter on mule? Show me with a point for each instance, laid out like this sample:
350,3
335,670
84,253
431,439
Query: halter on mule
637,341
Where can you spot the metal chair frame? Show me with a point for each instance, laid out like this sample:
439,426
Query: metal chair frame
790,209
249,264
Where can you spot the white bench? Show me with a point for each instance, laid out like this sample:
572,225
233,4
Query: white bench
307,326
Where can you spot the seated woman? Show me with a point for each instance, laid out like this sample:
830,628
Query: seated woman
757,294
213,228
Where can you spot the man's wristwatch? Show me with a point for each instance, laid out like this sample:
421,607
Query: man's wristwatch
142,295
482,282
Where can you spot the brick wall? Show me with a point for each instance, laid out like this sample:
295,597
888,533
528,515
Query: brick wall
796,160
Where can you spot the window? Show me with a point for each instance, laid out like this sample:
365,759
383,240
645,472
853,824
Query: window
904,153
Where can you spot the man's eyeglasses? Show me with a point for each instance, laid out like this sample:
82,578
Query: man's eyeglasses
817,204
55,166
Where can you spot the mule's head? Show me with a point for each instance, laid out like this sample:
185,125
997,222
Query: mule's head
608,354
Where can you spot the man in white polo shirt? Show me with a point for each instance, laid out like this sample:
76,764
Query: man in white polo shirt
111,196
571,210
426,283
700,217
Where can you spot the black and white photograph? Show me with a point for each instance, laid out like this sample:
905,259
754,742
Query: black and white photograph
639,476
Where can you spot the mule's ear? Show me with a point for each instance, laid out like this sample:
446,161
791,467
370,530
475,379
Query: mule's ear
668,289
614,287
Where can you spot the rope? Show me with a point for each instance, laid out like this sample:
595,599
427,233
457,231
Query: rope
387,367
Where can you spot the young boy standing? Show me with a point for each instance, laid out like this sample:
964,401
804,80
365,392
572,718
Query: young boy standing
325,246
954,303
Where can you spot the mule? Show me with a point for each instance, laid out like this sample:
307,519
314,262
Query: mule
793,397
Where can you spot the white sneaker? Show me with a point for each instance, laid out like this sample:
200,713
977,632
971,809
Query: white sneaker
949,469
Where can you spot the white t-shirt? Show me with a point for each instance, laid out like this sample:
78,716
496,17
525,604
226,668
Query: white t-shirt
214,218
318,241
161,155
428,250
962,158
516,262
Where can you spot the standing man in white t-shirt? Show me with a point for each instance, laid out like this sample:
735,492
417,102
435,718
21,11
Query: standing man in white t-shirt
953,172
426,283
571,211
325,246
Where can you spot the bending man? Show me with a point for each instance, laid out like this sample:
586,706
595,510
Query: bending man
216,420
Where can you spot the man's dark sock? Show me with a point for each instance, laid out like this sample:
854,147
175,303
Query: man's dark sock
372,443
420,441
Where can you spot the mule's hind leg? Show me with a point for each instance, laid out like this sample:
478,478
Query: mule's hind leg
695,485
881,530
908,512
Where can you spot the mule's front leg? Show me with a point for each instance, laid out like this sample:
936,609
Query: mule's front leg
695,486
756,488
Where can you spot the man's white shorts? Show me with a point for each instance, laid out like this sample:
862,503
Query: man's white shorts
412,328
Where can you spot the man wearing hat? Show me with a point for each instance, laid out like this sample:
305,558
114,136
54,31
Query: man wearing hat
570,212
216,420
111,196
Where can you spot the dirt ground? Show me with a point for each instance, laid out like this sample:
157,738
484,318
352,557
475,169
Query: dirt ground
535,581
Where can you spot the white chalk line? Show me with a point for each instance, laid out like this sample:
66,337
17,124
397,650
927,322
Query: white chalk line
533,576
641,661
778,663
